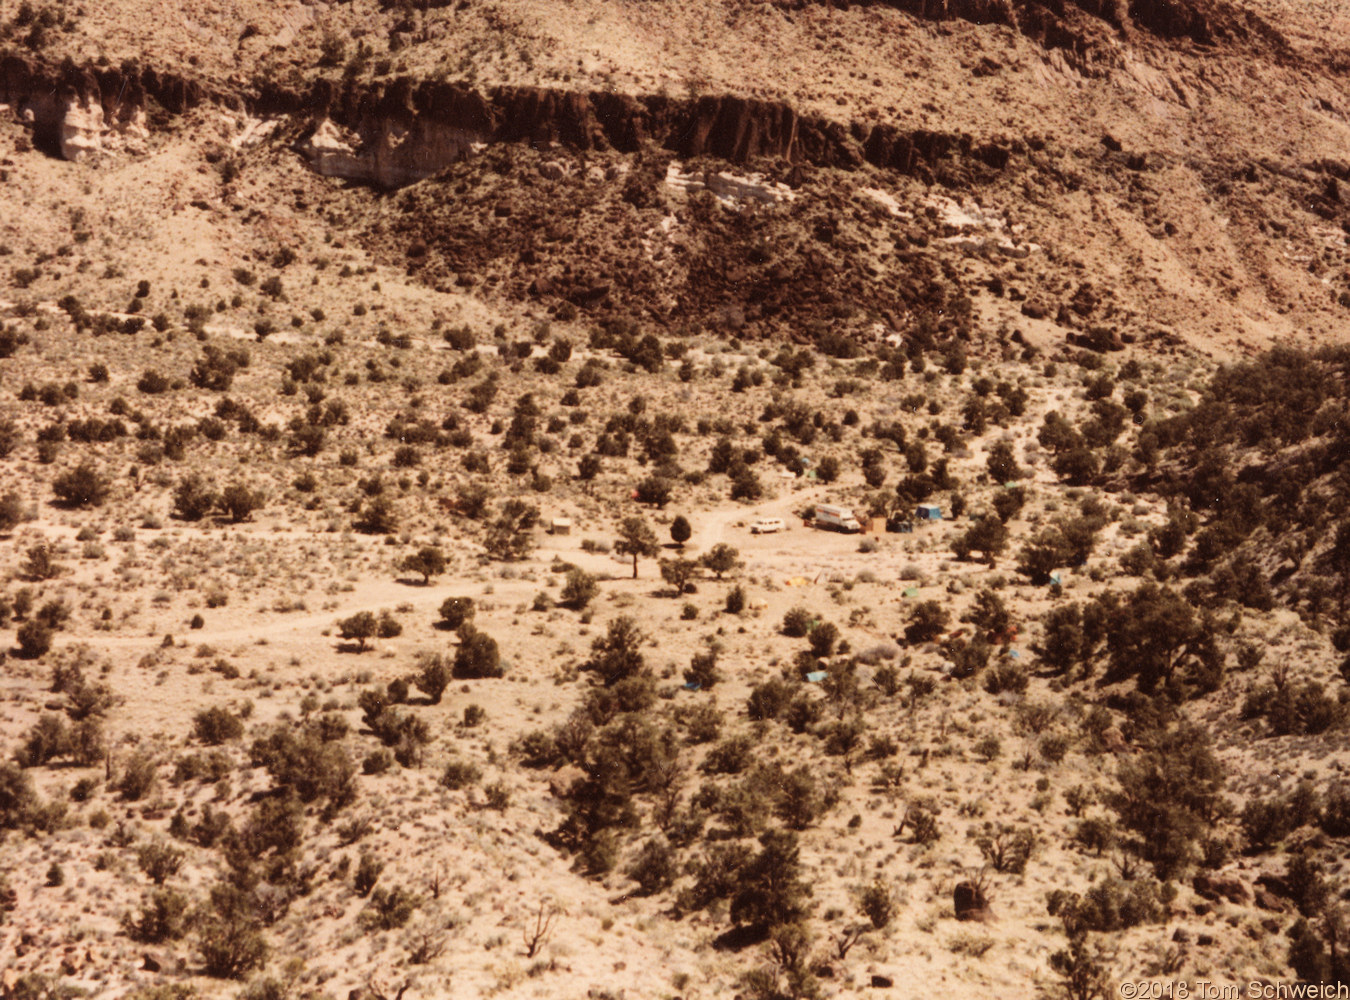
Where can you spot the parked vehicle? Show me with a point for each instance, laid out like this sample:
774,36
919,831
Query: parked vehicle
768,526
836,519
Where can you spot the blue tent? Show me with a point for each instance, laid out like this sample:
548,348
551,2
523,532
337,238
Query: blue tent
928,512
816,676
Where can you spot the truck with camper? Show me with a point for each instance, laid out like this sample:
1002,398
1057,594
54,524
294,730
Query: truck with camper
836,518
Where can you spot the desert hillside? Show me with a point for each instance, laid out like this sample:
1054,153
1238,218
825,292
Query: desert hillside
775,499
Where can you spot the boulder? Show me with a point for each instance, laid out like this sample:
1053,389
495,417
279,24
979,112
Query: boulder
970,902
563,780
882,982
1114,740
1216,887
1275,884
1267,900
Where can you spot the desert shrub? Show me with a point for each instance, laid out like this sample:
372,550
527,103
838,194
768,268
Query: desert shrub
460,774
377,516
40,563
1170,795
477,655
1007,848
163,917
703,723
732,756
616,656
378,761
217,725
1316,952
433,675
770,892
677,573
887,680
137,777
361,626
1295,708
703,669
215,369
160,861
770,699
427,561
1005,676
1265,823
306,764
387,626
510,536
745,485
797,622
455,611
13,511
17,797
1112,904
152,382
1307,883
192,498
239,501
1084,968
800,798
228,936
34,638
653,491
1054,747
82,486
390,909
579,589
210,766
539,748
1335,819
655,867
877,902
48,739
928,620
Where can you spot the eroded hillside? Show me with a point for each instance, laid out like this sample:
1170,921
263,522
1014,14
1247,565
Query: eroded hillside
412,423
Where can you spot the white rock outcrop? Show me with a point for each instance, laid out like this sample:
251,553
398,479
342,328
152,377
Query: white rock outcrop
727,186
386,153
84,130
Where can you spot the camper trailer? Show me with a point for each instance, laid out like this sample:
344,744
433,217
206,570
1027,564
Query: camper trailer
836,518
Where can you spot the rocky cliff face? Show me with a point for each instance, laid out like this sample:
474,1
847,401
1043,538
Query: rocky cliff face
78,111
392,134
408,130
1205,22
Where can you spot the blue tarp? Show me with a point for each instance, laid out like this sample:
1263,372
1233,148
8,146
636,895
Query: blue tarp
816,676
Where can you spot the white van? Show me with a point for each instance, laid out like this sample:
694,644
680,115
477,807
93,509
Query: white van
836,518
768,526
